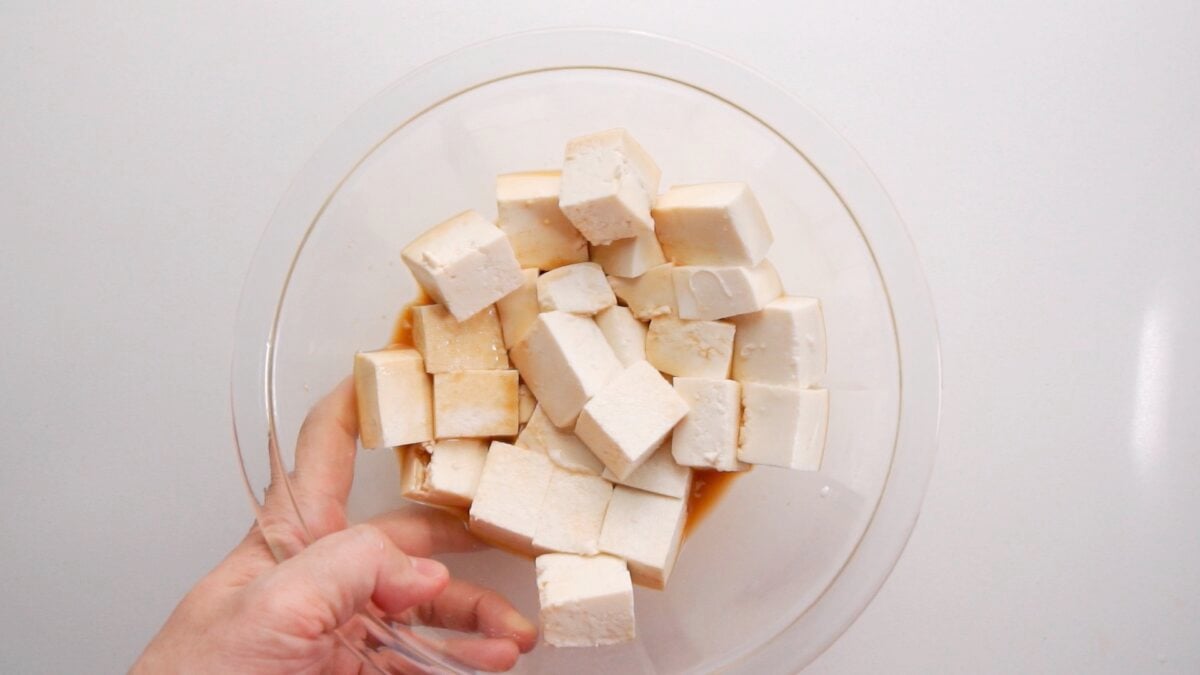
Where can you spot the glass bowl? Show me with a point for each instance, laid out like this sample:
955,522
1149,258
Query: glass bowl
787,560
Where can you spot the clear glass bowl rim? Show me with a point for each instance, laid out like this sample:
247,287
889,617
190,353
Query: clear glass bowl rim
843,169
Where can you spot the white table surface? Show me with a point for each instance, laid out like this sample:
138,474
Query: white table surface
1047,161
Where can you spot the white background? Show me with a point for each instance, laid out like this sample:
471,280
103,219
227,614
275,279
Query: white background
1047,160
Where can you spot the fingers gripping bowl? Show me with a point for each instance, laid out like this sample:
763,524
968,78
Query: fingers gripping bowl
789,559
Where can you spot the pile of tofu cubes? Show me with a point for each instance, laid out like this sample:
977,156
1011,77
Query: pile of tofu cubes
585,354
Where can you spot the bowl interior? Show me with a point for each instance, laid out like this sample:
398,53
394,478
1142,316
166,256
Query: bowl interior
778,538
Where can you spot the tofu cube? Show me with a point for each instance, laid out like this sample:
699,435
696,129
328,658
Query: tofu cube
526,403
648,296
465,263
395,398
783,426
608,186
519,309
645,529
629,418
712,224
562,446
444,473
708,436
584,601
625,334
720,292
659,474
632,256
448,344
475,403
782,344
541,236
573,513
565,360
690,348
579,289
508,500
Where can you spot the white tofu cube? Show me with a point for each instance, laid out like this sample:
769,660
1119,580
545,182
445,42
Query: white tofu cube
448,345
712,224
541,236
519,309
526,403
565,360
475,403
645,529
625,334
632,256
562,446
465,263
395,398
509,497
572,513
783,426
585,601
690,348
608,186
629,418
659,474
579,289
648,296
708,436
782,344
445,473
720,292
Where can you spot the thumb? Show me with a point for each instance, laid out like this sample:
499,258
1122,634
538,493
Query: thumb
323,586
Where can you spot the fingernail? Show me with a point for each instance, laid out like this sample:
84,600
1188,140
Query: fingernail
518,624
428,568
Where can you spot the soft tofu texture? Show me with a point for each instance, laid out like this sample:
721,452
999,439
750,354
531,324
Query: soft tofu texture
565,360
572,513
625,334
562,446
629,418
395,398
648,296
586,601
519,309
475,403
541,236
659,474
444,473
712,224
645,529
685,348
708,436
719,292
465,263
526,403
578,289
782,344
783,426
630,257
608,186
509,497
448,344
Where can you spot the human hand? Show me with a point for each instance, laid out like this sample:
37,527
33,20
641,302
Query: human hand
252,614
